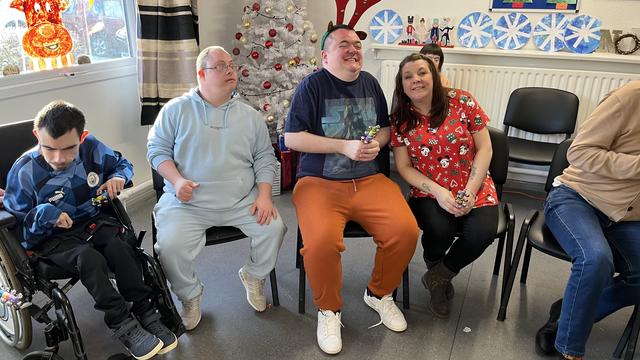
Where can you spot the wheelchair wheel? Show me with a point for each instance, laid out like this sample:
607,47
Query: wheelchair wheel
15,325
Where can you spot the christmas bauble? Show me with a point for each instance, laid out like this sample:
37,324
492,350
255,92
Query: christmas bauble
277,66
313,61
292,62
306,25
290,8
285,103
243,39
235,51
267,10
297,60
266,85
238,35
255,55
313,38
273,32
255,7
289,27
270,119
268,44
266,107
245,72
246,24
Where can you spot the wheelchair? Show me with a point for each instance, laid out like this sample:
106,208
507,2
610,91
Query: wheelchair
23,271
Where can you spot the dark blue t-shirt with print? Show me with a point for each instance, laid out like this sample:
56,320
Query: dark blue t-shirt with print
327,106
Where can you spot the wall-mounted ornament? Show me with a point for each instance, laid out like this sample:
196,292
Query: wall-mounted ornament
512,31
582,35
386,27
608,39
548,35
627,44
475,30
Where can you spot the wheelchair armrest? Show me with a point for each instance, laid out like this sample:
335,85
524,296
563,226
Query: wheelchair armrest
6,219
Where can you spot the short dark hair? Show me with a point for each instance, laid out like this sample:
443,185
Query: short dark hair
401,115
433,49
58,118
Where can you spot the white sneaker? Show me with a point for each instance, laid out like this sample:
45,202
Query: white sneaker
390,315
255,290
329,337
191,314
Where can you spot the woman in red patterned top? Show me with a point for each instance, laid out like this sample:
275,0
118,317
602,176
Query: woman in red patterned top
443,150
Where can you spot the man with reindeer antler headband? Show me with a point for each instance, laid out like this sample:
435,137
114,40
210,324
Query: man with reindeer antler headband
333,120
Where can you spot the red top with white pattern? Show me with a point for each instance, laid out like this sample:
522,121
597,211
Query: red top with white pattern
445,154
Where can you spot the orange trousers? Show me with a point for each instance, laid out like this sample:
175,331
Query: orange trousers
375,202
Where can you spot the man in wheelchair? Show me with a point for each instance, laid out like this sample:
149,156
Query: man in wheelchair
51,191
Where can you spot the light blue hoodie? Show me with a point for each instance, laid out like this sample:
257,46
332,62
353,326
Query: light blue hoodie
225,149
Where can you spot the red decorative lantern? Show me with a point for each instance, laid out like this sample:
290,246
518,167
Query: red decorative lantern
268,44
255,55
266,85
238,35
236,51
289,27
277,66
245,72
273,32
255,7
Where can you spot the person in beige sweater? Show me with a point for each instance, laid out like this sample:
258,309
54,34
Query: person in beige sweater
593,211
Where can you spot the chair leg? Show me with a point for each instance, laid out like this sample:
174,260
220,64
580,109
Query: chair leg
633,337
496,263
302,289
298,248
274,287
405,288
525,264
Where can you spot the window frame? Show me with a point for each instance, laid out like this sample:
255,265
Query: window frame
53,79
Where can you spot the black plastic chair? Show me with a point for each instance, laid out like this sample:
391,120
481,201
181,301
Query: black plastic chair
351,230
215,235
541,111
535,234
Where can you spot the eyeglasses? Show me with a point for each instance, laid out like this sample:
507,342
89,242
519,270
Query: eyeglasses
223,67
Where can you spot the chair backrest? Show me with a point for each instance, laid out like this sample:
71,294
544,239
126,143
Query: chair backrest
15,139
542,111
558,164
500,160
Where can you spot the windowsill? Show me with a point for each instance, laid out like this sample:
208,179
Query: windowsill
46,80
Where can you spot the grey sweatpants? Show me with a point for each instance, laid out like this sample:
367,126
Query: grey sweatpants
181,237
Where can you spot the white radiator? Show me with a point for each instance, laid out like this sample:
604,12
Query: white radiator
492,85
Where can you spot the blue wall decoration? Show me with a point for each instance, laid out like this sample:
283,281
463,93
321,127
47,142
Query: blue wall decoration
386,27
582,34
512,31
535,5
548,35
475,30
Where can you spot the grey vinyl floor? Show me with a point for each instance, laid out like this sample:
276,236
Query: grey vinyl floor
230,329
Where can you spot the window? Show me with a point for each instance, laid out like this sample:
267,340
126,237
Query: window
99,32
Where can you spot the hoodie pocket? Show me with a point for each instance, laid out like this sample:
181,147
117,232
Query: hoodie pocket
222,194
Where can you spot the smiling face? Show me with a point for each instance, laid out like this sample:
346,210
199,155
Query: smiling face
342,56
47,36
417,81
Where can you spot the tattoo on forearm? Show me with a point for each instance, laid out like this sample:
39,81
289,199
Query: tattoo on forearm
426,187
473,172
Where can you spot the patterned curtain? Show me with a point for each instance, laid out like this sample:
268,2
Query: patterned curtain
167,52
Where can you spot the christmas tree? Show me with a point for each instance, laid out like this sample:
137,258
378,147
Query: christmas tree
274,47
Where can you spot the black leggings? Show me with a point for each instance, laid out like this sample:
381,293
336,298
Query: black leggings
475,232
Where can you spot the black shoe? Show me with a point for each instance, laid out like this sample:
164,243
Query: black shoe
546,336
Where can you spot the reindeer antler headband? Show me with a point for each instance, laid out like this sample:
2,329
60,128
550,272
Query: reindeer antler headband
341,5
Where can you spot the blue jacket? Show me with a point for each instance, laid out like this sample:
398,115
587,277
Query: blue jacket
36,194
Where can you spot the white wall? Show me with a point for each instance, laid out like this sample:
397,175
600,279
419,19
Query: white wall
218,19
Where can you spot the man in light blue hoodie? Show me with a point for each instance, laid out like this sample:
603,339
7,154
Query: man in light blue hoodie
216,158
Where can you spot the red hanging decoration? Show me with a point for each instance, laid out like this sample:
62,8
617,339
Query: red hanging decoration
278,67
268,44
238,35
266,85
255,7
273,32
245,72
236,51
289,27
266,107
255,55
297,60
